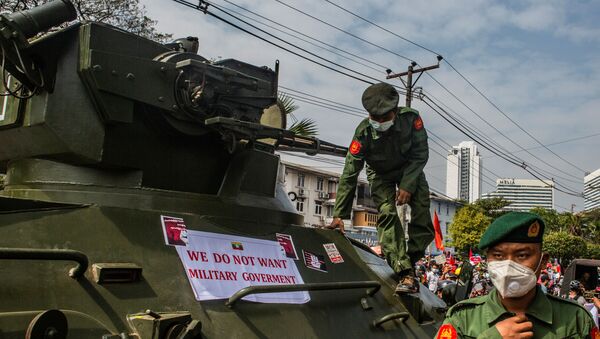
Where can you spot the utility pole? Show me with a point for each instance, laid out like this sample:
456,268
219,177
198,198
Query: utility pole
409,84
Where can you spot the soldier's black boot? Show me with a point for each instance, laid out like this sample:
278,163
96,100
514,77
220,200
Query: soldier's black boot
408,283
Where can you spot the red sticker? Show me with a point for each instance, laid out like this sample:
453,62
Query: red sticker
355,147
447,331
418,124
595,333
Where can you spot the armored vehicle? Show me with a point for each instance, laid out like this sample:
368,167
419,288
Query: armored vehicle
142,198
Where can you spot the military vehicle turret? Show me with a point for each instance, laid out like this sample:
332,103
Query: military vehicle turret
143,199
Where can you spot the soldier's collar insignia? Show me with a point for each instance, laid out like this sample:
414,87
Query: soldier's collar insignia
447,331
534,230
355,147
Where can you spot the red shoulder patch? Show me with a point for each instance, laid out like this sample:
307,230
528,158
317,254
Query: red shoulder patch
355,147
595,333
447,331
418,123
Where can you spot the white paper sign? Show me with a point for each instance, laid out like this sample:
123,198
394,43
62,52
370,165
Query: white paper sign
440,259
218,265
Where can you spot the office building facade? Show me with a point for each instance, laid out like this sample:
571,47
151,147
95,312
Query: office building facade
591,190
463,172
525,194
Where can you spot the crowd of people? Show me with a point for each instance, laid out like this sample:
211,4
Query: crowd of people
435,272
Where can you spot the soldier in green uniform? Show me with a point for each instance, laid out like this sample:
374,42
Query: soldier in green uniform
517,307
393,143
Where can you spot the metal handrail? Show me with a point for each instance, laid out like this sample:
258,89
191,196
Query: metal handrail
48,254
392,316
373,286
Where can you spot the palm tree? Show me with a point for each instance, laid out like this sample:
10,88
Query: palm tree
305,127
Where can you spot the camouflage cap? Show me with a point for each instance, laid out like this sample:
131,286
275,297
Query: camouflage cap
379,99
514,227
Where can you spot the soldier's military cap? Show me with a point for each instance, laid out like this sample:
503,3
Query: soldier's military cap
514,227
379,99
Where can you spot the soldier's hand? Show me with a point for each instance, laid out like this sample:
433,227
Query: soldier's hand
515,327
337,223
402,197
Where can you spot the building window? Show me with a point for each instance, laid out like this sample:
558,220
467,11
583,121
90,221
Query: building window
300,179
320,184
329,210
447,209
439,207
300,205
318,207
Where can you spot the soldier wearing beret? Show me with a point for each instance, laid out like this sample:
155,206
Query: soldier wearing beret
517,307
393,143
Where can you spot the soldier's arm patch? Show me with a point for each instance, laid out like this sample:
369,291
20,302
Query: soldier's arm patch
418,124
447,331
355,147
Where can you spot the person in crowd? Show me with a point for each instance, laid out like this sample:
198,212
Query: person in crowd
576,292
544,283
433,277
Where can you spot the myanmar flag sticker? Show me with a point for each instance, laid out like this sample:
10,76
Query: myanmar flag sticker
236,245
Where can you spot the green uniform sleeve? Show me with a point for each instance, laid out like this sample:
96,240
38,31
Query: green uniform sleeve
355,162
417,157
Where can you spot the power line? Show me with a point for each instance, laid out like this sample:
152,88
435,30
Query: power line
304,35
385,49
344,31
311,102
492,183
510,119
559,142
297,54
522,165
463,77
494,127
491,141
380,27
188,4
314,96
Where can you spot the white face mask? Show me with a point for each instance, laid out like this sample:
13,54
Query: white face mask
381,126
512,279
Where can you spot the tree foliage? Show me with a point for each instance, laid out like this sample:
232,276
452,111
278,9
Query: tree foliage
469,223
492,207
590,221
593,251
128,15
305,127
565,246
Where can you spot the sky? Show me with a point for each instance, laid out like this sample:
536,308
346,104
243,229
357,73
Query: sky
538,62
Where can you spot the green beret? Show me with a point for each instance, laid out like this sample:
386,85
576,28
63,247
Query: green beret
514,227
379,99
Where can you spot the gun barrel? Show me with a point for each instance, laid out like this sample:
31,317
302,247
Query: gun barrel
39,19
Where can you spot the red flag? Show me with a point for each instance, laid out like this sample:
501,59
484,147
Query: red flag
439,241
470,254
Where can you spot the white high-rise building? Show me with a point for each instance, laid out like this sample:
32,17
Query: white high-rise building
525,194
463,172
591,190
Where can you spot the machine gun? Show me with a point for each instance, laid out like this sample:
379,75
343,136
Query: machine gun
89,78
